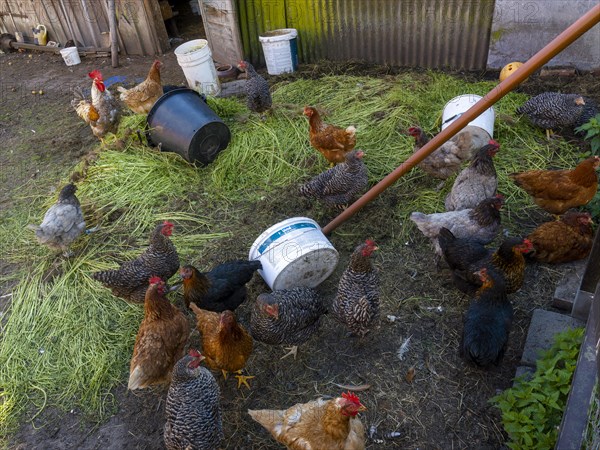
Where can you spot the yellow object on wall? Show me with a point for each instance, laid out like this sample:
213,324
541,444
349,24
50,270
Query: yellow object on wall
509,69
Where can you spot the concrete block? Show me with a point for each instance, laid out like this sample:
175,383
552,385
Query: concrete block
567,287
544,325
233,88
524,370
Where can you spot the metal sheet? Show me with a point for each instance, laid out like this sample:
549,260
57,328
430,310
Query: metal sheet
426,33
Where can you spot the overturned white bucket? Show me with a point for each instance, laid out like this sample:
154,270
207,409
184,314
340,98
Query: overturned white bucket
294,253
458,105
70,55
281,50
195,59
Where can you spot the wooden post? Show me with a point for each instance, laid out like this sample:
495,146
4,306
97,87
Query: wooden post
112,26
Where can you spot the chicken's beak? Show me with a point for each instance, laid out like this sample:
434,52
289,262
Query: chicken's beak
362,408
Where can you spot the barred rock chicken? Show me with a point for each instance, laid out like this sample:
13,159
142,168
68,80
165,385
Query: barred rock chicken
317,425
447,159
465,256
476,182
564,240
193,409
62,223
131,279
258,96
339,185
141,98
487,322
331,141
104,111
551,110
357,302
225,343
480,224
288,317
223,288
556,191
160,341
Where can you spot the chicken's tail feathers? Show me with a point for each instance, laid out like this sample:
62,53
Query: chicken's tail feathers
445,237
104,276
195,308
268,418
121,89
351,130
135,379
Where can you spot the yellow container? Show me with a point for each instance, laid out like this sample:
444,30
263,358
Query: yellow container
40,34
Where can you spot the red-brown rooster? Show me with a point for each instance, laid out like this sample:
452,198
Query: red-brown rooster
141,98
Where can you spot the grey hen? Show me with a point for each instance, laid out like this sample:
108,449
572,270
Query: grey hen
551,110
338,186
258,96
62,223
288,317
193,411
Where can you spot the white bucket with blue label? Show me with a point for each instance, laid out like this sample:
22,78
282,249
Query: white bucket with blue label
280,48
459,105
294,253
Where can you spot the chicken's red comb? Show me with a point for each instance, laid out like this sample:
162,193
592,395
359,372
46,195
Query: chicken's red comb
95,75
500,196
351,397
155,280
494,143
168,224
370,243
194,353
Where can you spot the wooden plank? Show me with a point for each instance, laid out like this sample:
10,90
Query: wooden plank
156,26
220,20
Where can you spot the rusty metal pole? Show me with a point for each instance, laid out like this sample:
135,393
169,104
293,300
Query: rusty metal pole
558,44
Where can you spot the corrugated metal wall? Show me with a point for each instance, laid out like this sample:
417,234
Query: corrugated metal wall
141,32
427,33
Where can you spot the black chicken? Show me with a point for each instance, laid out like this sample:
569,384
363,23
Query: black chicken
258,96
487,322
193,409
551,110
288,317
223,288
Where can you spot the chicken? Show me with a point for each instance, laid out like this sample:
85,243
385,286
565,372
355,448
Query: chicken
564,240
105,111
331,141
160,341
447,159
357,301
339,186
465,256
317,425
480,224
193,408
476,182
226,345
141,98
258,96
556,191
62,223
551,110
223,288
131,279
487,322
288,316
84,108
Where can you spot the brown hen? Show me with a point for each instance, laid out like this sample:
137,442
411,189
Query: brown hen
331,141
141,98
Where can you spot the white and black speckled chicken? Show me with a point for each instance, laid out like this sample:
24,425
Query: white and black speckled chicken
258,96
357,302
160,259
193,409
551,110
338,186
287,316
476,182
480,224
62,223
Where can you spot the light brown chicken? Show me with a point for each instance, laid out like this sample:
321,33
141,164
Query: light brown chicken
160,341
226,345
331,141
556,191
317,425
141,98
564,240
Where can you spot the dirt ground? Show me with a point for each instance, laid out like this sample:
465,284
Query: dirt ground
446,406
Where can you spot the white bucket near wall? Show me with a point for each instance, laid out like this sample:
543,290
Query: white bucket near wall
294,253
70,55
195,58
281,50
458,105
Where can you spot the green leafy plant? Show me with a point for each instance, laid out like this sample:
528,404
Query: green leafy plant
532,409
592,133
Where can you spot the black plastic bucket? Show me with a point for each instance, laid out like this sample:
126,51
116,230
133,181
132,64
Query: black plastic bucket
180,121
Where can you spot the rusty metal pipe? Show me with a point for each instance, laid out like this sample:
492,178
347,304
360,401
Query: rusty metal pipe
558,44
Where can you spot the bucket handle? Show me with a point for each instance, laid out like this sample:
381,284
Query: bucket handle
450,119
